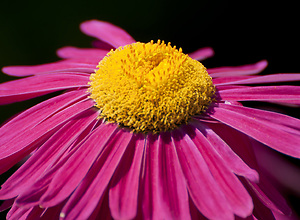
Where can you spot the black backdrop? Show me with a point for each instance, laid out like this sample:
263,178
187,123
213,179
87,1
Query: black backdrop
240,32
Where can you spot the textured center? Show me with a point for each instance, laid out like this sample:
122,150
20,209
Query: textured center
150,87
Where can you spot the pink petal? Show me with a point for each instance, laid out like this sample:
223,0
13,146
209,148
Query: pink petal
91,189
236,195
74,52
231,159
6,204
274,78
30,87
276,120
165,194
48,67
203,189
22,145
230,80
202,54
46,156
269,196
36,114
238,70
279,140
71,174
262,93
106,32
123,193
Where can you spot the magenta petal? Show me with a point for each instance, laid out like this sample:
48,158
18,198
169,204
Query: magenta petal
236,195
277,139
22,145
74,52
232,160
262,93
260,79
238,70
276,120
165,194
36,114
202,53
203,189
46,68
71,174
270,197
107,32
30,87
91,189
46,156
123,193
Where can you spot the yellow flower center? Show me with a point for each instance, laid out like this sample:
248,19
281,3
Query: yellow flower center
150,87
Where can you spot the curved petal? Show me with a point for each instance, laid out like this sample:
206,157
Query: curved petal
203,189
232,160
238,70
276,120
258,129
107,32
202,53
74,52
20,146
48,67
46,155
88,194
274,78
73,171
261,93
34,86
165,194
236,195
123,193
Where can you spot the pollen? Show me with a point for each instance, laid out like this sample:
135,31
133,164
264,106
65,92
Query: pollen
150,87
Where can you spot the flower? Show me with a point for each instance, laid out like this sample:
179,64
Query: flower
147,133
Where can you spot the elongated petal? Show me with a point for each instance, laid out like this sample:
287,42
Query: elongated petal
274,78
46,155
263,132
238,70
232,160
71,174
107,32
236,195
165,189
23,144
269,196
87,196
123,194
30,87
48,67
276,120
36,114
202,53
262,93
74,52
203,189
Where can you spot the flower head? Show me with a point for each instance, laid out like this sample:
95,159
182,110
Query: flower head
143,131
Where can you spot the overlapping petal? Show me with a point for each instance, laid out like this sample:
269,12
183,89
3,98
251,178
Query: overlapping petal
34,86
107,32
84,168
258,129
238,70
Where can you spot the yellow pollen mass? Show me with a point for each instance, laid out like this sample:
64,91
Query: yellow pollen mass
150,87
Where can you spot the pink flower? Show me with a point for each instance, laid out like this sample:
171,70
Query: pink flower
83,167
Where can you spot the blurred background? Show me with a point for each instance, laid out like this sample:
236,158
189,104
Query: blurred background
241,32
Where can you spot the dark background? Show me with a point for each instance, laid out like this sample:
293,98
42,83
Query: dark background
240,32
